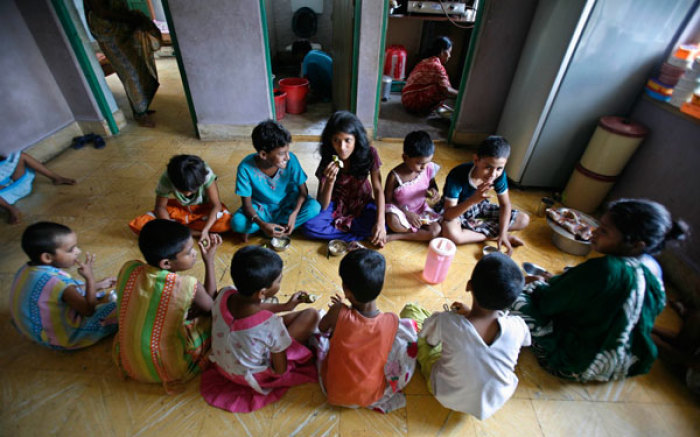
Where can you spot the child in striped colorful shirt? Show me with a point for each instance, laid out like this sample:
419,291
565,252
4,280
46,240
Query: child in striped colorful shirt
164,316
49,306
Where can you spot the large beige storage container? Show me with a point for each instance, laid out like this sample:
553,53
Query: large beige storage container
586,190
611,146
613,143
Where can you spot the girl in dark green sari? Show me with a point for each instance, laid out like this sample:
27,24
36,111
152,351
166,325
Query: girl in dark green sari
593,322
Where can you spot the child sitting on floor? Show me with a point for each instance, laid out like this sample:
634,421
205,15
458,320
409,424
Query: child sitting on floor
468,216
164,323
348,211
50,307
272,186
468,356
196,204
408,187
258,355
371,355
16,177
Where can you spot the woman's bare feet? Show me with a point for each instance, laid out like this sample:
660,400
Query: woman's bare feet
145,120
14,216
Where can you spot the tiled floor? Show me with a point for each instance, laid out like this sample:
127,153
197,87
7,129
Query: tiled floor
46,392
395,122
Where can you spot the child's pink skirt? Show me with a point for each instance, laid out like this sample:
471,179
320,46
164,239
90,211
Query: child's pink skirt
232,392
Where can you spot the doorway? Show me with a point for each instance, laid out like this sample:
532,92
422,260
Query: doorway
326,27
170,104
414,33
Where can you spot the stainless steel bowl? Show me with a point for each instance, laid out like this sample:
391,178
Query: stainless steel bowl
567,242
488,250
337,247
280,244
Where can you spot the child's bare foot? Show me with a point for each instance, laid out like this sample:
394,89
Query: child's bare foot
60,180
515,241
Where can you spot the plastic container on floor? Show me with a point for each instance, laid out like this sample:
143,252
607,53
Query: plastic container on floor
280,103
297,89
441,251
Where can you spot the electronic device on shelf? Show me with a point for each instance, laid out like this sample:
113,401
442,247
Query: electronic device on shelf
441,8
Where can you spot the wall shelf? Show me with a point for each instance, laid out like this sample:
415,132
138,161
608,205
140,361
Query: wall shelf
457,19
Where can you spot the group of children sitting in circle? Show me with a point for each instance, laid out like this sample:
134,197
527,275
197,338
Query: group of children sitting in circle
590,323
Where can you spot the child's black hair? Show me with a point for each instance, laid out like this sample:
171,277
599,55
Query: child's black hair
418,144
496,282
41,237
646,221
254,268
361,160
494,146
269,135
187,172
439,44
362,272
162,239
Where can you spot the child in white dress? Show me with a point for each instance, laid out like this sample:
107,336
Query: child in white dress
257,354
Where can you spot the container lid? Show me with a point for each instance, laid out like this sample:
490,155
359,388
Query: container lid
443,246
623,126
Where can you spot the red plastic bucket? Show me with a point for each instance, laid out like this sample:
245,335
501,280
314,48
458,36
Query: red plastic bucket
280,103
296,89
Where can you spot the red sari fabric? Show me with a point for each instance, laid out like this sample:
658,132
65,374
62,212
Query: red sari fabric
425,86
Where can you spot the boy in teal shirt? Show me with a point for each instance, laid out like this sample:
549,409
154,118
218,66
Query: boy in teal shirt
272,186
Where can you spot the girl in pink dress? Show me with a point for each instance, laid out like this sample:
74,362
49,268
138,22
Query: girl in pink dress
408,189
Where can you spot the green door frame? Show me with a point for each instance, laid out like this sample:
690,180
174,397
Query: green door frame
465,70
355,55
84,61
268,61
467,66
380,73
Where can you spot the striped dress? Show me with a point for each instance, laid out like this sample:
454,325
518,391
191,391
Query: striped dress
156,342
39,312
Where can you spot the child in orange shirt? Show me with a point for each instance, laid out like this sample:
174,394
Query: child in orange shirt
370,356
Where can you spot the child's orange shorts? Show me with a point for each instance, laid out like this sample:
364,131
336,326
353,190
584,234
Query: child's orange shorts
194,217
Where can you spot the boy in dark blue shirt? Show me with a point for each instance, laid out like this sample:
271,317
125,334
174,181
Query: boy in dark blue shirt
468,215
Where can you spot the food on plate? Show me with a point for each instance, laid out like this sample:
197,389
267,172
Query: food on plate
572,222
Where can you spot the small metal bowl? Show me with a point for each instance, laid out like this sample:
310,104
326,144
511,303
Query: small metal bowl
488,250
533,269
337,247
280,244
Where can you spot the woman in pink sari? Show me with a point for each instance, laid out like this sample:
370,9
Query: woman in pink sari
428,84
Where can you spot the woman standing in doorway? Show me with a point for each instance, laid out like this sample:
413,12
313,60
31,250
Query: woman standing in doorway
128,39
428,84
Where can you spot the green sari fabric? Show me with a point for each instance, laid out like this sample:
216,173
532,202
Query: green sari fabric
593,322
